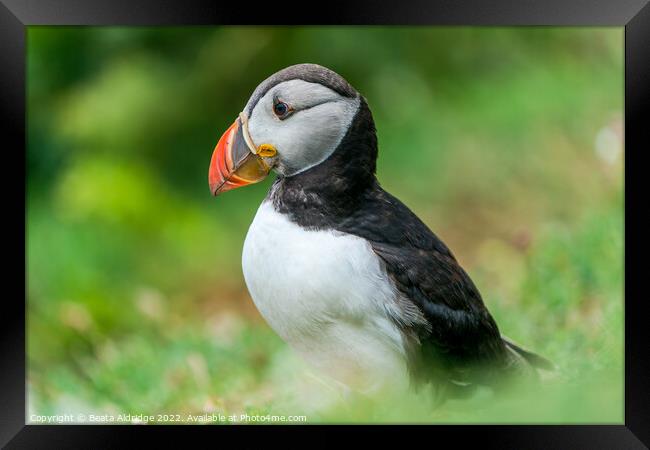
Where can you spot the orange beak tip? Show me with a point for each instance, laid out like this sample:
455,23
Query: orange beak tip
233,164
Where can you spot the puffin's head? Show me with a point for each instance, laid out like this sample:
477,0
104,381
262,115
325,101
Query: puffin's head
294,121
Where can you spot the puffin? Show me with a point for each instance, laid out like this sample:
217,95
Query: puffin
345,273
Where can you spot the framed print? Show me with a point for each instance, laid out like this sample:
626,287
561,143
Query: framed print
399,215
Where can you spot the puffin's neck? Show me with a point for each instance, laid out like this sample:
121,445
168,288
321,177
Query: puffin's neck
326,194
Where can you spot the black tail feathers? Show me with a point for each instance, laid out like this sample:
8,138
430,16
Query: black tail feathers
536,361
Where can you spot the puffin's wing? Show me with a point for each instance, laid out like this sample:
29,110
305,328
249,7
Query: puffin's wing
458,325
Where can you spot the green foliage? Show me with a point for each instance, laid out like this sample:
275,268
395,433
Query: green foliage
507,142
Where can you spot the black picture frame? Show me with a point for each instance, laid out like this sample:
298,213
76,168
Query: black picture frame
15,15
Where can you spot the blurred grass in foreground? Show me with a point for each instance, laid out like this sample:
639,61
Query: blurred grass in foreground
506,142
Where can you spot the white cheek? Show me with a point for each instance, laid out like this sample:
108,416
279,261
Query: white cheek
263,126
314,134
306,138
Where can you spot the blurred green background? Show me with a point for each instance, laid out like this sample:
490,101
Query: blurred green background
507,142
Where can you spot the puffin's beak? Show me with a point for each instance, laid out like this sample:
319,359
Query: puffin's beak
235,162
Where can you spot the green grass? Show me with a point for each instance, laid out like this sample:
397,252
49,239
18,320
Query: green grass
509,147
168,359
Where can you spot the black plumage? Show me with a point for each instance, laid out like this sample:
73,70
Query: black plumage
453,334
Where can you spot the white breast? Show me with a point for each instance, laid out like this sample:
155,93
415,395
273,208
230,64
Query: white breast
327,295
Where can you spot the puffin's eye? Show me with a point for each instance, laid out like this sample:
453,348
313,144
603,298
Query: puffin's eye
281,109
